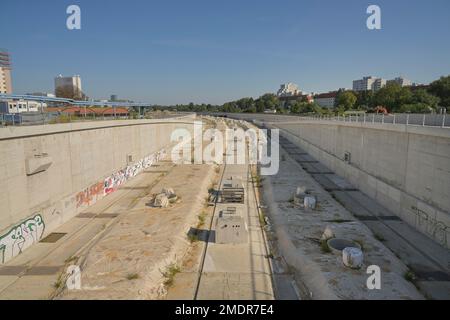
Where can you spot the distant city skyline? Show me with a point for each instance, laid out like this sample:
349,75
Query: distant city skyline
213,52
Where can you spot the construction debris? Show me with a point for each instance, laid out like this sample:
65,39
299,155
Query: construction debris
161,201
168,191
309,202
232,191
328,234
352,257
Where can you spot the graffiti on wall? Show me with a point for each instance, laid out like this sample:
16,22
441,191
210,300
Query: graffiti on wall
21,237
434,228
89,195
114,181
110,184
29,232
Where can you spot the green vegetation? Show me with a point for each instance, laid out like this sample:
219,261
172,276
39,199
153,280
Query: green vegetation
71,259
346,100
324,246
361,244
201,219
379,237
423,99
193,237
170,273
441,89
63,118
59,283
132,276
256,179
410,276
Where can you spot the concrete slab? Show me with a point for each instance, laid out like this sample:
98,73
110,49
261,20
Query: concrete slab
129,261
234,286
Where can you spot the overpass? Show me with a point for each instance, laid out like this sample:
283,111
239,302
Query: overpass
43,99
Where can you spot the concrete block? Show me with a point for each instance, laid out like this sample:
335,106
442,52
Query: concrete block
231,227
352,257
309,202
161,201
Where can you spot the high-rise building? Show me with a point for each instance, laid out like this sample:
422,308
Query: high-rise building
368,83
5,72
378,84
400,81
68,87
289,89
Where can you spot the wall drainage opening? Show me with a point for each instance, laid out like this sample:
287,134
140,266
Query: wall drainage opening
53,237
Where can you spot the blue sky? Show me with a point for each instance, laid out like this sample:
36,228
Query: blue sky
212,51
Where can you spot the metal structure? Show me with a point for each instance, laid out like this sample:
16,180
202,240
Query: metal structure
232,191
72,101
408,119
231,227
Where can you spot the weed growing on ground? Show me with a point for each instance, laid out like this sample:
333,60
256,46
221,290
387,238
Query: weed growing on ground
324,246
132,276
170,273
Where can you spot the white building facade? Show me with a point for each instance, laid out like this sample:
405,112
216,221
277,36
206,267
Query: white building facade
400,81
368,84
70,84
289,89
326,100
19,106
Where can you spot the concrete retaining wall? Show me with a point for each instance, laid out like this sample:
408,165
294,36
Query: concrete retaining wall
88,162
406,169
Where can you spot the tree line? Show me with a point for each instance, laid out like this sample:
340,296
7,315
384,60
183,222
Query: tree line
393,97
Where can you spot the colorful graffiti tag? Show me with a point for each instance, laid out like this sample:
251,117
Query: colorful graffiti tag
89,195
29,232
110,184
21,237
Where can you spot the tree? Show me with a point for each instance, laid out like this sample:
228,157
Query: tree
416,108
246,104
295,107
269,100
365,99
393,96
260,106
347,100
441,89
421,96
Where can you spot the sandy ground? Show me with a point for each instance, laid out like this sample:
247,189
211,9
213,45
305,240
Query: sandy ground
129,261
296,232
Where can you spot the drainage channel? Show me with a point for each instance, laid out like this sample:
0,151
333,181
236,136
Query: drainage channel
434,271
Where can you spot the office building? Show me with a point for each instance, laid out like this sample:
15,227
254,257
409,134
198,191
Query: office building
68,87
368,83
5,72
401,81
288,90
